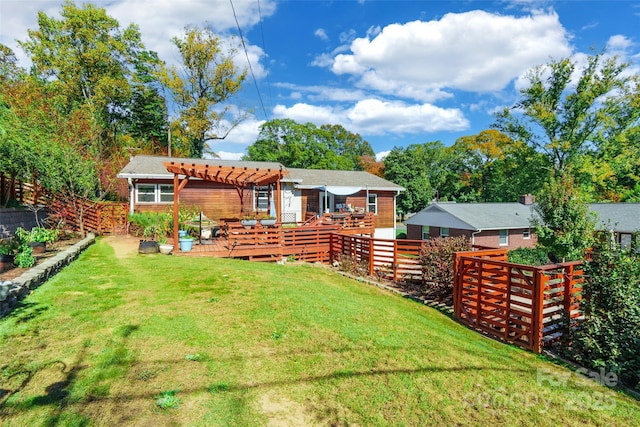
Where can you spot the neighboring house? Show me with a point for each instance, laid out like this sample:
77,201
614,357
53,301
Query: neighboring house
508,225
622,219
497,225
304,192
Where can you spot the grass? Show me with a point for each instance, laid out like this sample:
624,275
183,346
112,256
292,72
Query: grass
157,340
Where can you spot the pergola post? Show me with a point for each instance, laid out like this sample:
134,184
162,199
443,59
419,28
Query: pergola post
176,209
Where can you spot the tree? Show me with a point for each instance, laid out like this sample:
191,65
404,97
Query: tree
566,120
86,63
208,79
87,58
564,224
306,146
496,168
426,171
9,69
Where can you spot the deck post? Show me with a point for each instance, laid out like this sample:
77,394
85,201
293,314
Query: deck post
176,194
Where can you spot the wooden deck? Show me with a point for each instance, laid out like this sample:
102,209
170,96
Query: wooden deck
310,241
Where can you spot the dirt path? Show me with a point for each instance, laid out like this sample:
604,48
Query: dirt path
124,246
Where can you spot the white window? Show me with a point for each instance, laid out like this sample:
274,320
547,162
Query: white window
504,237
154,193
526,234
372,203
261,201
425,232
444,231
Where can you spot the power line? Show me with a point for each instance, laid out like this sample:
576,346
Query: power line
244,46
264,46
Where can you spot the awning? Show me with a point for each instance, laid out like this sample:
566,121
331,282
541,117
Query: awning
340,190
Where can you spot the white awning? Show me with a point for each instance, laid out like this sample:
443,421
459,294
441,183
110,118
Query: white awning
340,190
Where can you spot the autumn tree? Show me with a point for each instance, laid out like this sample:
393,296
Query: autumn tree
206,79
89,64
567,118
495,168
307,146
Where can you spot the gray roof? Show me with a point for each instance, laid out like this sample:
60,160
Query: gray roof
475,216
153,167
314,178
622,217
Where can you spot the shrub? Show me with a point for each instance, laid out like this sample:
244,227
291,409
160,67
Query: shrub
609,335
437,264
529,256
24,258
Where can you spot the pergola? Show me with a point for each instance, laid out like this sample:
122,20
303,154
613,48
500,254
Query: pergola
240,177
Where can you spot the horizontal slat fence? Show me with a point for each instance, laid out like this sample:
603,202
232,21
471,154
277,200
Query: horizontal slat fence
388,259
520,304
98,217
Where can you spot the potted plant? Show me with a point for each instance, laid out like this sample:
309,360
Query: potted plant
163,246
268,220
186,243
39,237
249,220
7,254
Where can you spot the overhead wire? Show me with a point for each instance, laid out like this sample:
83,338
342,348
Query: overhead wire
244,46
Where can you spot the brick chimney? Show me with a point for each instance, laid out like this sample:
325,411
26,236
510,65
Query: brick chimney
527,199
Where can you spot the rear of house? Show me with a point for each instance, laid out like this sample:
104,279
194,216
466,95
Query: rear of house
303,192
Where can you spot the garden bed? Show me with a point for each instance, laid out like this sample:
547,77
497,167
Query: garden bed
50,251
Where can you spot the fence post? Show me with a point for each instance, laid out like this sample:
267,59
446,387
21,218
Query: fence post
457,282
370,240
538,304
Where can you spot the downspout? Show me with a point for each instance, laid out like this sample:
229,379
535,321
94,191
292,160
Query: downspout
131,195
473,238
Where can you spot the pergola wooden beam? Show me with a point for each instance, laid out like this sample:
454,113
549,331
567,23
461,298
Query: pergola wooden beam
239,177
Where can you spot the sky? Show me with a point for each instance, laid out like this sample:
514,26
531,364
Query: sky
395,72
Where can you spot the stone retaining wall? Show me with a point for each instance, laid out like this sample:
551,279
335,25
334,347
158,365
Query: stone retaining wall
12,292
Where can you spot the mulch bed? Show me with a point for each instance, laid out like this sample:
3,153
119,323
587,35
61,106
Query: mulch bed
57,247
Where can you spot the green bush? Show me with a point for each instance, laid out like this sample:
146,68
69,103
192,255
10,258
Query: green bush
609,335
24,258
529,256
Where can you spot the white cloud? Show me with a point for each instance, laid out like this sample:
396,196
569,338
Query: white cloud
376,117
381,155
474,51
225,155
159,21
321,34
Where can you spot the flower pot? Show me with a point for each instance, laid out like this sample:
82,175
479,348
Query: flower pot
186,244
248,223
6,262
148,247
182,233
38,247
270,222
165,248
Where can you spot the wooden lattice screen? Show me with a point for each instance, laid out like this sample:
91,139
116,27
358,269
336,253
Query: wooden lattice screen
524,305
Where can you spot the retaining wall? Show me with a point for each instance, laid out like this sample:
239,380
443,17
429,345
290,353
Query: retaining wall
12,292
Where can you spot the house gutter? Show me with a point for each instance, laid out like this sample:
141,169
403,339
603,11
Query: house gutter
131,195
473,237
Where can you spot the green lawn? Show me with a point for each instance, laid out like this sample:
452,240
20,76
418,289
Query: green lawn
162,340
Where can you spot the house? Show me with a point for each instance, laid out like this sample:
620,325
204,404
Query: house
621,219
504,225
508,225
242,187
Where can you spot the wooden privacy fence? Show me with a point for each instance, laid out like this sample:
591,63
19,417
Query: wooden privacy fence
524,305
97,217
388,259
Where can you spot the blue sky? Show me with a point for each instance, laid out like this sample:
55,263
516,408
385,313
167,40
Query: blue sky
396,72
